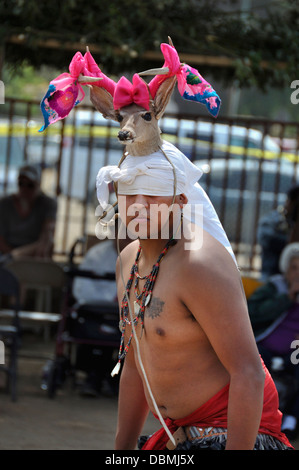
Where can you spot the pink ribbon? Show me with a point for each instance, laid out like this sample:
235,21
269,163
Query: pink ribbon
172,61
91,69
191,85
126,93
65,91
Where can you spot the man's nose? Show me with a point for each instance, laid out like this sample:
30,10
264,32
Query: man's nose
140,199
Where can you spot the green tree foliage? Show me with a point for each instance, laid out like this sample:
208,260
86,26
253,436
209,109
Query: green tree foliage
262,50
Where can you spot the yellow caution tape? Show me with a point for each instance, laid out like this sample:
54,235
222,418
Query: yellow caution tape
20,130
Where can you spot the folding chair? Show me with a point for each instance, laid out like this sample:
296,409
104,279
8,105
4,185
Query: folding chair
41,277
9,333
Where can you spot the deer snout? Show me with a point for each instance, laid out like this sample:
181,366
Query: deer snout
123,135
126,135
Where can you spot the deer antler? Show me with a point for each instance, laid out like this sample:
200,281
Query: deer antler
159,71
84,79
170,41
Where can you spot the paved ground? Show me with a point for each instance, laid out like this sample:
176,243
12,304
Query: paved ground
67,422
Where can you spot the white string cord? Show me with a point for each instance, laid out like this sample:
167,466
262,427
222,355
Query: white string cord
161,419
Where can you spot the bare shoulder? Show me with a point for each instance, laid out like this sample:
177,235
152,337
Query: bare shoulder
209,265
210,253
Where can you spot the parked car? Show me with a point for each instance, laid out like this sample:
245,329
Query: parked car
201,140
242,192
88,146
11,158
20,143
86,117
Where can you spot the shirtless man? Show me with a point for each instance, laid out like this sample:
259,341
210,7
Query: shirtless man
197,338
193,359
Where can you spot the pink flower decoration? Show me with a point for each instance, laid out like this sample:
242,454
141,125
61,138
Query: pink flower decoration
172,61
63,101
65,91
191,85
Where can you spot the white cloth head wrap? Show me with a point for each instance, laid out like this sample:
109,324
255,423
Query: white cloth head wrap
153,175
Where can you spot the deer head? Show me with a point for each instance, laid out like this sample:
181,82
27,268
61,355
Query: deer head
136,111
138,106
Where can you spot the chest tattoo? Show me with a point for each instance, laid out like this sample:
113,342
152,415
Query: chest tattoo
155,308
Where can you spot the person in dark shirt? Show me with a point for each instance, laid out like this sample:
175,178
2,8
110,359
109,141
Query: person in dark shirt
274,315
275,230
27,218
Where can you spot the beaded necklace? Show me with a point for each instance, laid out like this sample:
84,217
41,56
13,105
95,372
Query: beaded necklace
143,300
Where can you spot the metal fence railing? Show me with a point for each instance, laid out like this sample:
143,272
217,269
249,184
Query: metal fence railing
248,165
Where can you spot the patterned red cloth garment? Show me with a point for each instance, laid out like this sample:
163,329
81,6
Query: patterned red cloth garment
214,413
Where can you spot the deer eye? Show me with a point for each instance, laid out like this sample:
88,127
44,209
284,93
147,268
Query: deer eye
119,117
147,116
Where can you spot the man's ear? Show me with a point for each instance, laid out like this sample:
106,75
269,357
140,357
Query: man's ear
182,199
163,96
103,102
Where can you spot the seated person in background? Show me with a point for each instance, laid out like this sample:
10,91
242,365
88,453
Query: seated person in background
27,218
274,314
275,230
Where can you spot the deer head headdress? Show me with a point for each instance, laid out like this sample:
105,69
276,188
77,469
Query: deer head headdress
109,97
138,106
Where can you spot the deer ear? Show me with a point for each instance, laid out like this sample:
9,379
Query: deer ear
103,102
163,95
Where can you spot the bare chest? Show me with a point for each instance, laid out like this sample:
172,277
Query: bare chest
163,316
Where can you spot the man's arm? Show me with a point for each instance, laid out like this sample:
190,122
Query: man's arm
44,244
220,309
132,406
42,248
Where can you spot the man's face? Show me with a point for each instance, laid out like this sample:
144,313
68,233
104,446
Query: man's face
150,216
28,189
